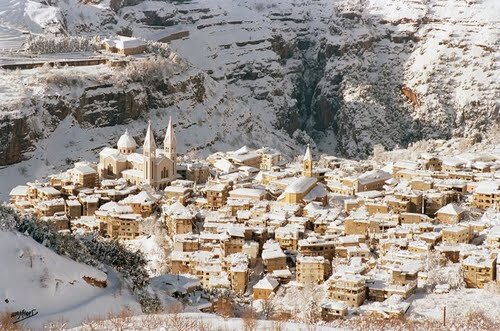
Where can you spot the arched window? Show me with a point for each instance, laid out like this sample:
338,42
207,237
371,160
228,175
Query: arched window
110,170
164,173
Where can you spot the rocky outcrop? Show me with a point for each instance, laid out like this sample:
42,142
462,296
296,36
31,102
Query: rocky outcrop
411,96
95,282
99,106
353,73
15,139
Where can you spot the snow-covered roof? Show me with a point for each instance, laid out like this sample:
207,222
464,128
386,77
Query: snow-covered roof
224,165
373,176
267,283
479,261
451,209
178,210
73,202
268,254
142,197
488,187
248,192
317,192
219,187
242,150
133,173
177,189
123,42
49,190
20,190
135,157
126,141
114,207
310,259
301,185
307,155
84,170
108,151
406,165
453,161
282,273
334,305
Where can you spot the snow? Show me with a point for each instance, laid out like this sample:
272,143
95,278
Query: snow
267,283
451,209
301,185
167,322
37,278
126,141
457,303
307,155
152,250
21,190
247,192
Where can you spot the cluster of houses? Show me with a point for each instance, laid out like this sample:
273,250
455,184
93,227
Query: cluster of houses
249,222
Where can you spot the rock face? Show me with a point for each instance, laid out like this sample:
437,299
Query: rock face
95,282
98,98
341,75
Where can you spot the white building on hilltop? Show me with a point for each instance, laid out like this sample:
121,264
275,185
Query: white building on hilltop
155,167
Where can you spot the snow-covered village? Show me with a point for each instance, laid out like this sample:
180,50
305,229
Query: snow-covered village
249,165
313,239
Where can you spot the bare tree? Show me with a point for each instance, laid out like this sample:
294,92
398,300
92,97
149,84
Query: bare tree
268,308
249,320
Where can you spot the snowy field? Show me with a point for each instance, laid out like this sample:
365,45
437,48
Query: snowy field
19,17
37,278
201,321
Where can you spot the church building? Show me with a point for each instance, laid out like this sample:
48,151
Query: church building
155,167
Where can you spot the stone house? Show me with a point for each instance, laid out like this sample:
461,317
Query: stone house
186,242
217,194
456,234
288,237
487,195
124,45
265,288
273,257
238,278
311,269
83,175
450,214
50,207
333,309
142,203
479,270
178,219
371,181
73,208
178,193
350,289
431,162
123,226
412,218
317,246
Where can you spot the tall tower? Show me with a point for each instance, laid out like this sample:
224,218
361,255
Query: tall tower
149,153
170,143
307,163
170,146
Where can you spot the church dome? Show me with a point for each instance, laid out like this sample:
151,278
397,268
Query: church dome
126,141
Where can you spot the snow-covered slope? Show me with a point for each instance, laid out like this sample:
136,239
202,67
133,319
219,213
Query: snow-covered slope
348,73
20,16
34,277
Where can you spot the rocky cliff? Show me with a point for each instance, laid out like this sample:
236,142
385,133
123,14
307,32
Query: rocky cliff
341,75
